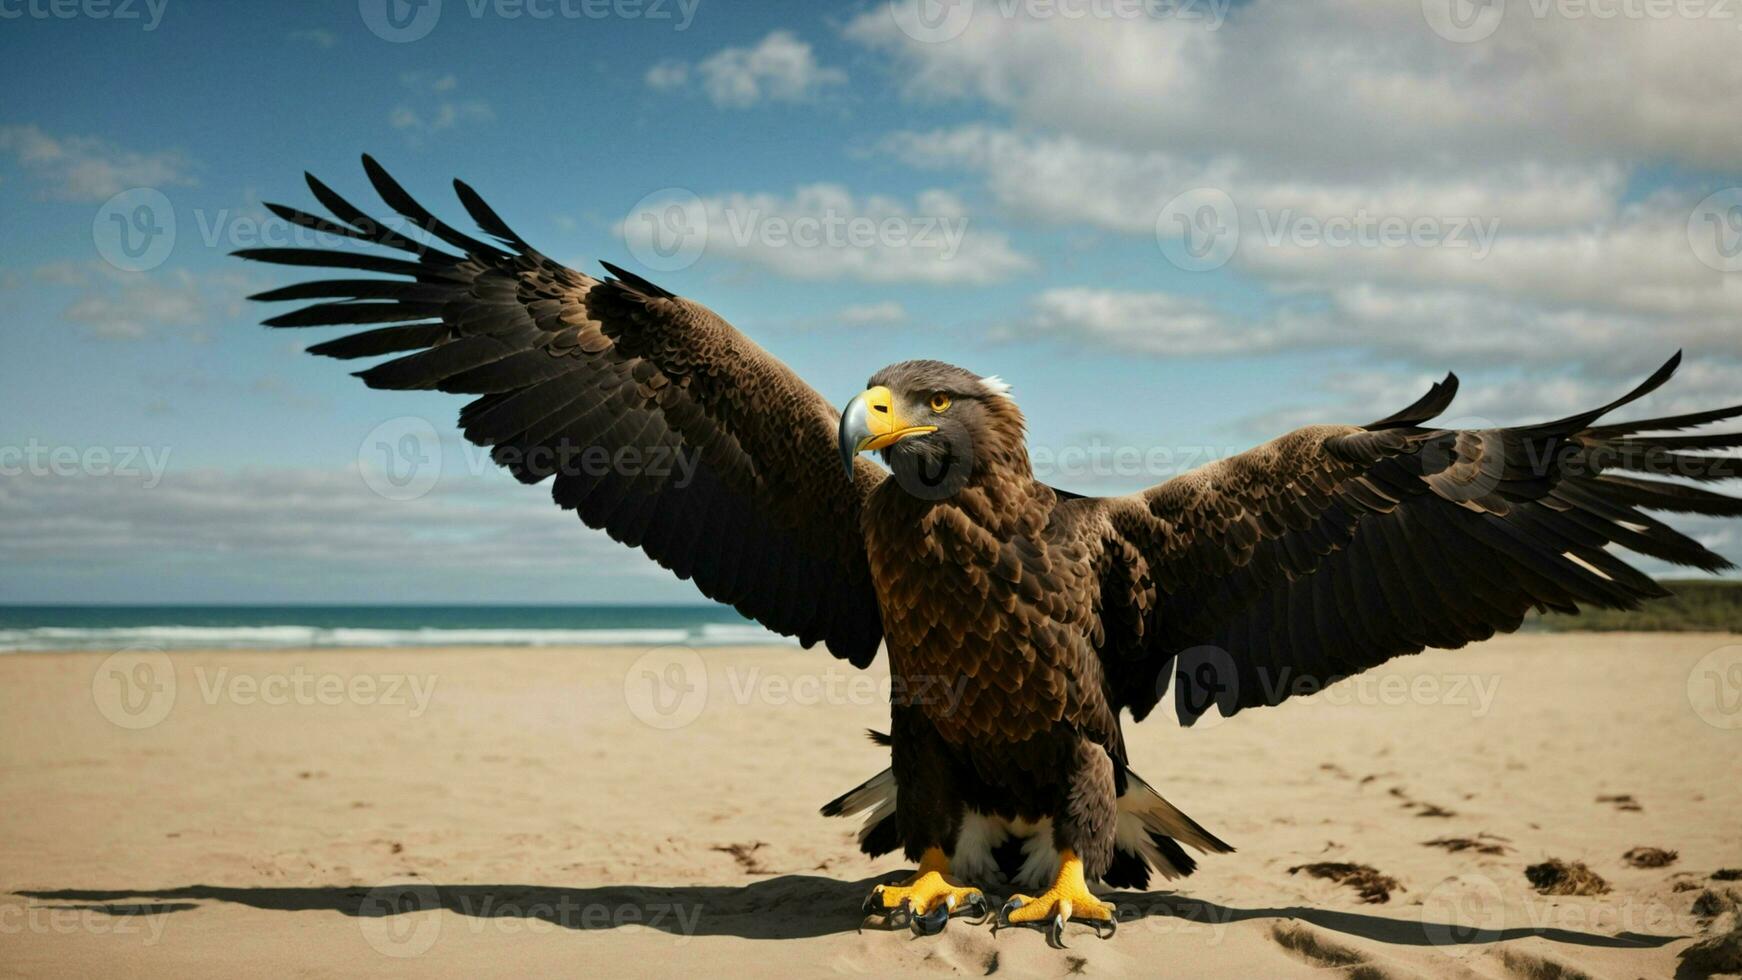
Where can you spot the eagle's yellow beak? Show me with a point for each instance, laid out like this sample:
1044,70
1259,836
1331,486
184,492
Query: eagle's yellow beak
873,421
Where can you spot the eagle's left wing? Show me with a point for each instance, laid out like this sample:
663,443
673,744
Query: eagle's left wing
653,418
1335,548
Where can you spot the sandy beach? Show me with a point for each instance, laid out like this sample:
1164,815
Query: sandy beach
635,812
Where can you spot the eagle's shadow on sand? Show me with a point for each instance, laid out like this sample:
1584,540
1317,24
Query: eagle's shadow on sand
792,906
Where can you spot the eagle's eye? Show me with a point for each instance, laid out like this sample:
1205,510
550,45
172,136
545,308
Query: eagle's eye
940,402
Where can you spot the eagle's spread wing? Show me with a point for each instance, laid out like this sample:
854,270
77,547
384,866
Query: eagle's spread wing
1335,548
660,423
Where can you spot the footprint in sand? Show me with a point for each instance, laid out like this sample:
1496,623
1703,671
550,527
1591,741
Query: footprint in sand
1622,801
1557,877
1650,857
1532,966
1483,843
1421,808
1320,950
745,855
1373,887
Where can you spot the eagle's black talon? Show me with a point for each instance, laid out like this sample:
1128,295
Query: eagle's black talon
874,902
1009,907
901,915
978,907
1105,928
930,923
1055,933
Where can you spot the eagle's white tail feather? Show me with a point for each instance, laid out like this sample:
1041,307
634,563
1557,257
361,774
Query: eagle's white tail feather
882,810
876,794
1143,808
1146,830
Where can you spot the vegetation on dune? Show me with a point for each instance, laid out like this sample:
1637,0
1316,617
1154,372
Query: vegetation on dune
1693,605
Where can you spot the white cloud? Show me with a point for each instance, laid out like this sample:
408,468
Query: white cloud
1064,178
62,273
870,314
1322,78
127,313
1437,330
446,115
1158,323
268,390
117,305
304,531
314,36
436,109
668,75
1641,262
87,168
429,81
780,68
1513,161
824,232
1545,234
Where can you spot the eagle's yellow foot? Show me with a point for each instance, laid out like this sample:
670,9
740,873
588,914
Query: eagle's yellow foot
925,901
1068,898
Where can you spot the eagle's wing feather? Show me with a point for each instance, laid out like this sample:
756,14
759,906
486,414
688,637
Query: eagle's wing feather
1335,548
660,423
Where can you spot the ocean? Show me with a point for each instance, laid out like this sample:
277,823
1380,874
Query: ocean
270,627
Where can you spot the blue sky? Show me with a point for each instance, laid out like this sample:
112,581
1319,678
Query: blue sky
1546,185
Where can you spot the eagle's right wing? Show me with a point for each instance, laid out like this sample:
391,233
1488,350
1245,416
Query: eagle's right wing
1334,548
660,423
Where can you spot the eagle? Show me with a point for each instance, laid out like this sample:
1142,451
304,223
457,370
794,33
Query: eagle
1047,617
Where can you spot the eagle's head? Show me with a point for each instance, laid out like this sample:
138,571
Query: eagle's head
938,426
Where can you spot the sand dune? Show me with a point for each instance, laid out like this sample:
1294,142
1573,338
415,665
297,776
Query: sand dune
616,812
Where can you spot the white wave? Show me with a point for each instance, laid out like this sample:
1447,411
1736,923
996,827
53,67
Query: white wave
298,636
731,634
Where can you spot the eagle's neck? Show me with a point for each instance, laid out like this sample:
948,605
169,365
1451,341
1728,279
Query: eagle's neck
1001,494
999,501
1003,497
